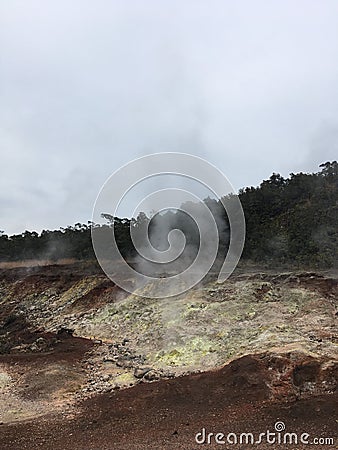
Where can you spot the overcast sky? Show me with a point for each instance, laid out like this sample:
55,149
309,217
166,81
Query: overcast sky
86,86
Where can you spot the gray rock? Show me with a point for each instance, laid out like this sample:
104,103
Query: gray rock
152,375
125,363
109,359
139,372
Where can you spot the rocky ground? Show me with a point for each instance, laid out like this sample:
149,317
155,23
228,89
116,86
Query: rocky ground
84,365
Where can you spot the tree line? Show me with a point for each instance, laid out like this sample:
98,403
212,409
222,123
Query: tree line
289,221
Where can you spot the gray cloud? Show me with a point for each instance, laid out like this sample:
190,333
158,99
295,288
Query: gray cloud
251,86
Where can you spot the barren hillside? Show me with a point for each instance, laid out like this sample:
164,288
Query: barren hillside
69,336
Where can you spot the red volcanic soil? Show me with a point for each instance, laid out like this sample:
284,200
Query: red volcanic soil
168,414
242,397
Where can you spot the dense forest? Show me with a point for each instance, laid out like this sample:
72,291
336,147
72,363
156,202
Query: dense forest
289,221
